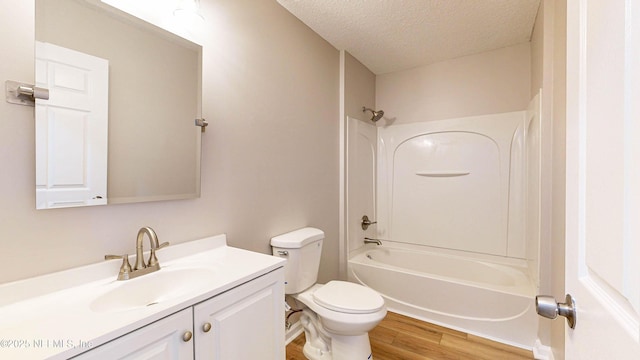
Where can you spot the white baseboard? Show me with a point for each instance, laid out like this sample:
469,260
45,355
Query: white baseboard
294,331
542,352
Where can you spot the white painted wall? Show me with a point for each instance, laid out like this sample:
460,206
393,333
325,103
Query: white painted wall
360,88
486,83
269,157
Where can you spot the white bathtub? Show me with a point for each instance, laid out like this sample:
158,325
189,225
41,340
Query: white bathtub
490,300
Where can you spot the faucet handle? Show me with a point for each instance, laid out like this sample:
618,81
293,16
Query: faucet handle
153,260
365,222
125,268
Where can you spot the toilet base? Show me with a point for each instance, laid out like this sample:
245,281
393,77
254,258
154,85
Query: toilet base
342,348
351,347
313,353
322,345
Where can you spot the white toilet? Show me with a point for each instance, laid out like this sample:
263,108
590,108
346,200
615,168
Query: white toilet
338,315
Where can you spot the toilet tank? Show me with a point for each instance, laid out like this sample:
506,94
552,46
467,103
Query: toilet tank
302,249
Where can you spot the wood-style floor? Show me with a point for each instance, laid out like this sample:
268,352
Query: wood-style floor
399,337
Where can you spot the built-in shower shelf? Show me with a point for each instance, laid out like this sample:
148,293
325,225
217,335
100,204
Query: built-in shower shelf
442,173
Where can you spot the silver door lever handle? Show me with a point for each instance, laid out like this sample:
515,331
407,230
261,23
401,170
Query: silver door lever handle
547,306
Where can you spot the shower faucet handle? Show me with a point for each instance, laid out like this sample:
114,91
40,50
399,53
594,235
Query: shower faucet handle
366,222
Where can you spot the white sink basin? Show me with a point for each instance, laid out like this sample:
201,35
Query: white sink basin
151,289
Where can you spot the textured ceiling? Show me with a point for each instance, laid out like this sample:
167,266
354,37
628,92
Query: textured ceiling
393,35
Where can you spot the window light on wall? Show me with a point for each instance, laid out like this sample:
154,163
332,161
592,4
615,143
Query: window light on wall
188,11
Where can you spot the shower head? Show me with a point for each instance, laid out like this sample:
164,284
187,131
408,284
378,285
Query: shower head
376,115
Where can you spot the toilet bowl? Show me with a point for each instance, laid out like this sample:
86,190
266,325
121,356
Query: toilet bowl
338,315
354,317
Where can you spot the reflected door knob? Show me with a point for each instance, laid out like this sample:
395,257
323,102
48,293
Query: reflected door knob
546,306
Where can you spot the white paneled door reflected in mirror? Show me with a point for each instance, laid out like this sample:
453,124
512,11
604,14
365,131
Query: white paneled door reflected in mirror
119,123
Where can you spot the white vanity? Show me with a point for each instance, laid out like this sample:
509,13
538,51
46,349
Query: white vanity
208,301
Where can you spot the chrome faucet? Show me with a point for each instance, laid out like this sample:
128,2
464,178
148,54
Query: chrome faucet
372,241
141,268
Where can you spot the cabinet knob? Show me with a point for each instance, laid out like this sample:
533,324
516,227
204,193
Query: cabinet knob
206,327
187,336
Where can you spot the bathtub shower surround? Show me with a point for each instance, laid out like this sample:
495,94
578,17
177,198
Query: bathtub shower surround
451,184
456,203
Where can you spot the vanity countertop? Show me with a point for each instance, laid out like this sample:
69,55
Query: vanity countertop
55,316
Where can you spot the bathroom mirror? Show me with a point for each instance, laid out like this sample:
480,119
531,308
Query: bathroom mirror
119,123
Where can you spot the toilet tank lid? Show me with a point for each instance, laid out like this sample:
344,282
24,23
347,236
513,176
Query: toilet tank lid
297,238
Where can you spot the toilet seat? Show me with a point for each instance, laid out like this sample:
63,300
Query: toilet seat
347,297
341,322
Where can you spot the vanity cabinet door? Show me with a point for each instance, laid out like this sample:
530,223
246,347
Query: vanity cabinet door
163,339
246,322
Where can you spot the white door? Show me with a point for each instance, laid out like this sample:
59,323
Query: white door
71,128
603,178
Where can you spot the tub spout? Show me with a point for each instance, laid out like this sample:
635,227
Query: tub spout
372,241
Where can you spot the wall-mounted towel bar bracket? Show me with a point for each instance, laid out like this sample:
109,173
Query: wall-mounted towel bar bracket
202,123
24,94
